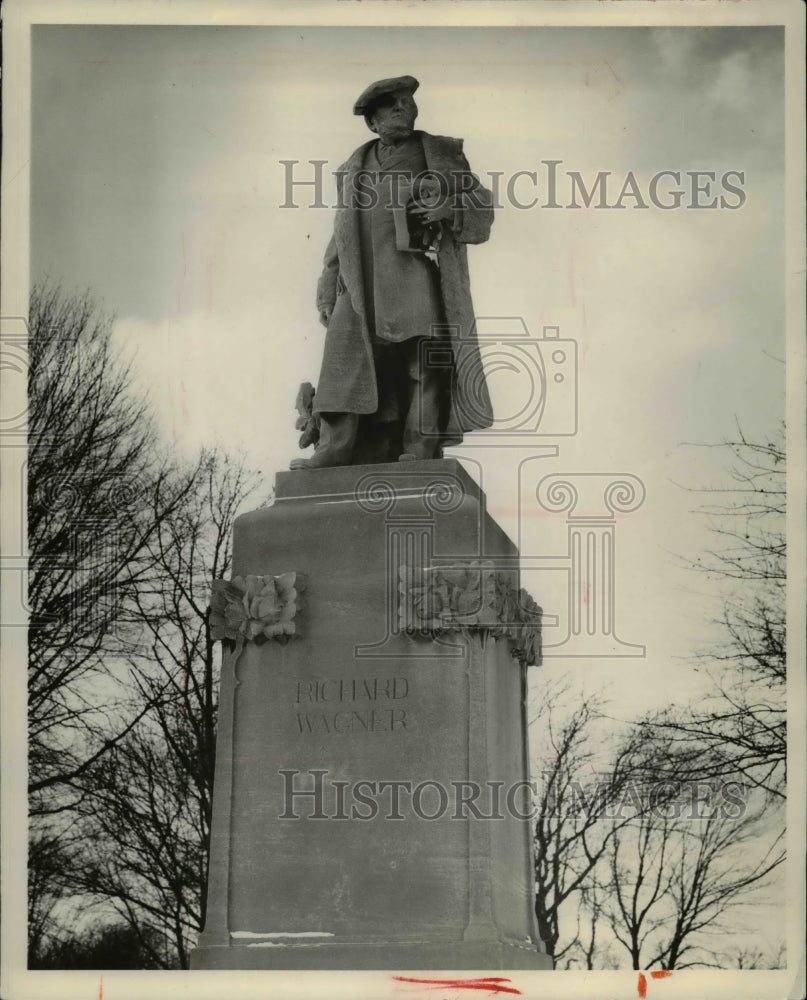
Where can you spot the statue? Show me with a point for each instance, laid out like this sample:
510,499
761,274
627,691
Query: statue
401,374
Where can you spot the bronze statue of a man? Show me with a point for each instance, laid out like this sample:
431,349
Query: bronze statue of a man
401,373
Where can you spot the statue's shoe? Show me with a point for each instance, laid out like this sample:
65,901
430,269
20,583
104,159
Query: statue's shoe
325,458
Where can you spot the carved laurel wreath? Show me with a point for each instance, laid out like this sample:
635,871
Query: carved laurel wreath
256,608
470,597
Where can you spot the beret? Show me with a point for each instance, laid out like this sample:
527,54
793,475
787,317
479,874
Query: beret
382,87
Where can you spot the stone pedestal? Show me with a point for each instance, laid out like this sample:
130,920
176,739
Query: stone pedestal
369,808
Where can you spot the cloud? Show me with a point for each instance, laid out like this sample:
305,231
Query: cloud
213,378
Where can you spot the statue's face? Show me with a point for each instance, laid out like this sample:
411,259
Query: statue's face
394,116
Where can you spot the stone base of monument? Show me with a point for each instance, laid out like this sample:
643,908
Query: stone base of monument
368,955
371,807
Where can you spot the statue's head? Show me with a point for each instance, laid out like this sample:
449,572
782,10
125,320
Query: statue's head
389,108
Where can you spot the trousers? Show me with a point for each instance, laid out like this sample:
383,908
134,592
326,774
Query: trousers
413,401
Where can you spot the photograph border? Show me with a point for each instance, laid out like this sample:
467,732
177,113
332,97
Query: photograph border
19,16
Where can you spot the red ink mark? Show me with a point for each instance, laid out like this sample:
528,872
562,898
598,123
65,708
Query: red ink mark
492,984
101,988
642,984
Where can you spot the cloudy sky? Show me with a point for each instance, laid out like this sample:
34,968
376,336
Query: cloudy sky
157,183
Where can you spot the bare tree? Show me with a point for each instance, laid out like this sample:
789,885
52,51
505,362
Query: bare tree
589,786
590,946
97,490
676,881
754,957
629,860
101,945
147,810
741,722
122,672
50,860
678,877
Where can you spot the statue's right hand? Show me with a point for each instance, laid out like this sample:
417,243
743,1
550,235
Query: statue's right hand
325,316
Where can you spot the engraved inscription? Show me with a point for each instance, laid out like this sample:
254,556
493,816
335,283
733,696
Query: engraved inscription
363,705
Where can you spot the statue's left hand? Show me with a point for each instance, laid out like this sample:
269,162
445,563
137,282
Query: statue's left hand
433,213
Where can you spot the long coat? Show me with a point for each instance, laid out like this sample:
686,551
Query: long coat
347,382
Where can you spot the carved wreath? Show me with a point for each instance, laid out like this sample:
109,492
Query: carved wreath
470,597
255,608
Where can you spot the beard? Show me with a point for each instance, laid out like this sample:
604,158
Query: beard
395,133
